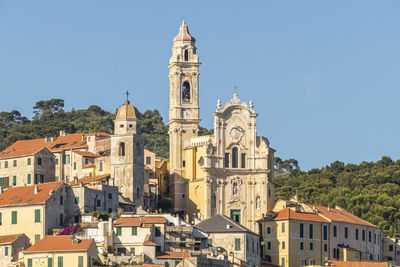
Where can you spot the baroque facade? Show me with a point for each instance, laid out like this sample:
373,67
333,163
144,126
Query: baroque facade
229,172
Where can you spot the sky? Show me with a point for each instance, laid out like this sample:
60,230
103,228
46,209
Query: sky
324,76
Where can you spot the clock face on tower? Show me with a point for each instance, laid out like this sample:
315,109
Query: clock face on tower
186,114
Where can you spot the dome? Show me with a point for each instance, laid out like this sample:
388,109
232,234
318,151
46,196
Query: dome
184,35
126,111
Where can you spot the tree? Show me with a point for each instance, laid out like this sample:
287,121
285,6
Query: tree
43,106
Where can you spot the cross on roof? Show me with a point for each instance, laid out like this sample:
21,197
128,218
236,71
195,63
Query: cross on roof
127,95
235,87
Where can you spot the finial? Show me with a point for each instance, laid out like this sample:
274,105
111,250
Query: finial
235,99
219,103
251,104
127,96
183,22
235,87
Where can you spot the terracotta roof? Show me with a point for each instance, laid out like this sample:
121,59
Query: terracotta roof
7,239
340,215
357,264
184,35
127,111
59,243
25,195
288,213
23,148
87,154
138,221
147,168
88,180
173,255
88,166
69,141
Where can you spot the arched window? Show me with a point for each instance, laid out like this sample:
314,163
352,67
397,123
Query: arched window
186,91
186,55
234,157
121,151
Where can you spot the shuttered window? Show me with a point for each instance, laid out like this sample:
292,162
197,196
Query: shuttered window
14,217
37,215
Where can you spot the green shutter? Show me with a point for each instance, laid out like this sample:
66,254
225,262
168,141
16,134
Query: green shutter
158,231
80,261
77,200
37,215
14,180
1,218
29,178
64,159
6,251
74,165
134,230
14,217
237,244
60,261
29,262
132,251
118,230
49,262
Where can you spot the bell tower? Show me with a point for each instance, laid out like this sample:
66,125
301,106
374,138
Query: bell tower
183,108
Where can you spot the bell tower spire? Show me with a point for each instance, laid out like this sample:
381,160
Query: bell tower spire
183,107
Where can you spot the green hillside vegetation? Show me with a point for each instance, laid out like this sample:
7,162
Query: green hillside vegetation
370,190
49,118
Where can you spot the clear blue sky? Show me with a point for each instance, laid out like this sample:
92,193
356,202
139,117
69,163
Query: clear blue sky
324,75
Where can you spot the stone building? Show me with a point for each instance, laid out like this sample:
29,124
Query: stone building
10,248
127,159
227,173
26,162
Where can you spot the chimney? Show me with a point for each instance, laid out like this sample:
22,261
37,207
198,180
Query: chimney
1,190
83,137
36,189
62,133
228,226
329,209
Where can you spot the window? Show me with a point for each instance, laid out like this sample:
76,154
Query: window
148,160
252,246
390,247
80,261
98,203
311,246
326,247
312,262
14,217
283,227
39,161
56,162
346,232
283,262
61,200
76,200
186,55
235,215
61,219
237,244
243,160
301,230
186,91
37,238
334,231
74,165
86,161
6,251
28,178
132,251
134,230
1,218
68,158
14,163
226,162
37,215
311,231
157,231
60,261
363,235
109,195
101,166
269,245
325,232
374,238
14,180
283,245
29,262
303,262
158,248
301,245
234,157
166,264
29,161
268,230
119,230
5,164
369,236
183,163
121,151
356,234
90,174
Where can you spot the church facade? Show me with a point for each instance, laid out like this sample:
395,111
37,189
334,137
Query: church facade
229,172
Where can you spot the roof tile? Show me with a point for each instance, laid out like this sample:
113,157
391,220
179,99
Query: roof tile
59,243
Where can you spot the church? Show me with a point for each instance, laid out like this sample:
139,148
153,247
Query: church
229,172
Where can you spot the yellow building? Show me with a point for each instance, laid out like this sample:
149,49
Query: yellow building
33,210
391,250
62,251
229,172
298,234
